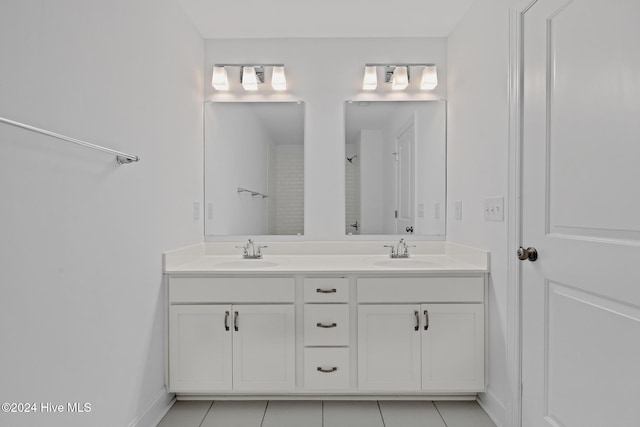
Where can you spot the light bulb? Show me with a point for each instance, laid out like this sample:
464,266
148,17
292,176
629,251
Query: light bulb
429,78
219,79
278,79
249,78
370,81
400,79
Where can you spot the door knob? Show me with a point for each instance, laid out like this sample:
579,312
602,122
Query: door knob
530,254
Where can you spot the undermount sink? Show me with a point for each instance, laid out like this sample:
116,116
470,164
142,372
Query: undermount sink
247,263
406,263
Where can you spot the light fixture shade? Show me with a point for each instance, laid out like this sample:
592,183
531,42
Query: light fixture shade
278,79
429,78
249,78
400,79
370,81
219,79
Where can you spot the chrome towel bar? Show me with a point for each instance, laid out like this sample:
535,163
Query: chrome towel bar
121,158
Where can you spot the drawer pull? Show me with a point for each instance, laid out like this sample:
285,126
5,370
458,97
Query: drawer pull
327,371
426,320
326,291
417,314
236,324
226,320
323,325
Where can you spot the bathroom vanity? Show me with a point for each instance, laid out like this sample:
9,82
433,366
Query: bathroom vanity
326,319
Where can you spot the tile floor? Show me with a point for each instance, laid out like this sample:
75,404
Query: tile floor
326,414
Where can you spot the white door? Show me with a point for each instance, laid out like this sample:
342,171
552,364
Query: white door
405,154
199,348
452,347
388,347
581,211
263,347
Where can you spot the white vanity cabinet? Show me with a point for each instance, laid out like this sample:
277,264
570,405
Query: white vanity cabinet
343,325
434,345
235,346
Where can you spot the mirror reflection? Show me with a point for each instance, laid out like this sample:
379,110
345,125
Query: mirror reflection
395,165
254,168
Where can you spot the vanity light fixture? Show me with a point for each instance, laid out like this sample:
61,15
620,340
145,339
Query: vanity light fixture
399,76
251,75
370,78
219,79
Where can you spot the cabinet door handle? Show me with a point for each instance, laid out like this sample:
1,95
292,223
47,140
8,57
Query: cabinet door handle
323,325
327,371
226,320
426,320
235,321
326,291
417,314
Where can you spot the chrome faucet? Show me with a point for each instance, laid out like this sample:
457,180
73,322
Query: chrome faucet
251,251
401,250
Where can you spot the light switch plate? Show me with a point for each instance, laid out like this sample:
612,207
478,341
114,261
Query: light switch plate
458,210
494,209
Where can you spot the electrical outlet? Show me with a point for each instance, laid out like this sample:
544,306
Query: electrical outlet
458,210
196,211
494,209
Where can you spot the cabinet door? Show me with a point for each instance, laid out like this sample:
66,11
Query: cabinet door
388,347
452,347
199,348
263,347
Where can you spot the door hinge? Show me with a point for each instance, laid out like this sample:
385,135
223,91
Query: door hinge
396,213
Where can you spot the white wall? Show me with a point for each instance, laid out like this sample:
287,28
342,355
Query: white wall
82,300
237,147
477,153
324,73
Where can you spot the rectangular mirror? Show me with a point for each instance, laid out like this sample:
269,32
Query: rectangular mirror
395,168
254,168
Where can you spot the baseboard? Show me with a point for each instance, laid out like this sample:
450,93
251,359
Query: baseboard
493,407
153,413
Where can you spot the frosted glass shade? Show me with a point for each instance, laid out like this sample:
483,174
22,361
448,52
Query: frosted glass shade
249,78
278,79
370,81
429,78
219,80
400,79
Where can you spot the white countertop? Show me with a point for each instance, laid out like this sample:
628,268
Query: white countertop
326,257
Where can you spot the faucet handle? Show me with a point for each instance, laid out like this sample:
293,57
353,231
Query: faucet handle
259,250
245,250
393,249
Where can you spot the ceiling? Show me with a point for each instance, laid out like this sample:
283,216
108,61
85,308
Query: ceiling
325,18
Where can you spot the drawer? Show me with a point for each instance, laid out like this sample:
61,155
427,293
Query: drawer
326,368
421,289
184,290
326,289
326,324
